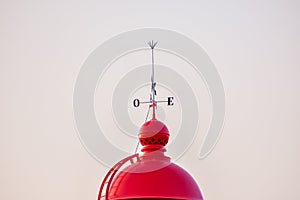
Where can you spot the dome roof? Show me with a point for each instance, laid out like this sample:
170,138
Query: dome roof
154,177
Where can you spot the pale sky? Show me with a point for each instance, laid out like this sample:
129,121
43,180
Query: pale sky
253,44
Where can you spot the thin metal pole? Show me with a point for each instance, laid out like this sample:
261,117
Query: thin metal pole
153,84
152,77
153,91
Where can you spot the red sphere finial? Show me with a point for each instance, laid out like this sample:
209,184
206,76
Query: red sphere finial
153,134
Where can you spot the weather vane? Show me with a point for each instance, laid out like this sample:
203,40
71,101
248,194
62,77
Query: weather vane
153,102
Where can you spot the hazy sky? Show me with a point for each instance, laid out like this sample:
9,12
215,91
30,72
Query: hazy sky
253,44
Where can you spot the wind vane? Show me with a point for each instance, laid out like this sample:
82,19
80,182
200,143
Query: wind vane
153,102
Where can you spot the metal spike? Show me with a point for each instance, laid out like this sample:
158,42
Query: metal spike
152,44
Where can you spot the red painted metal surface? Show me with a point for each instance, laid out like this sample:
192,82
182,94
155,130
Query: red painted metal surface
152,175
106,183
154,133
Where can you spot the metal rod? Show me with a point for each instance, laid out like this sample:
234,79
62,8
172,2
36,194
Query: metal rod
153,91
153,84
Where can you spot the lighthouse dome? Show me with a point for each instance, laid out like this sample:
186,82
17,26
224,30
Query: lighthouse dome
153,175
166,181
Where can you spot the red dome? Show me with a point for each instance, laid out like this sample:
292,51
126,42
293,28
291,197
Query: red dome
154,177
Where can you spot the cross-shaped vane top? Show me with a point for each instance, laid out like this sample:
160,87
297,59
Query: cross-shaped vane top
152,101
152,44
